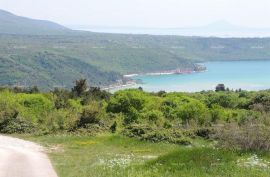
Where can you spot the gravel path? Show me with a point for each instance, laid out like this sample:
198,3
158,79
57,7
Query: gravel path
19,158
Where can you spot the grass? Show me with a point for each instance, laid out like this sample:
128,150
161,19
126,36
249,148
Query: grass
115,155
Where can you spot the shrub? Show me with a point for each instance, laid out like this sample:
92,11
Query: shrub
17,126
61,98
129,102
59,120
75,105
148,133
217,113
124,101
90,129
90,115
132,116
261,102
155,117
33,106
94,94
168,108
224,99
249,136
193,111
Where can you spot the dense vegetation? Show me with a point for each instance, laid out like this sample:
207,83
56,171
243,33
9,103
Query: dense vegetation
89,132
236,119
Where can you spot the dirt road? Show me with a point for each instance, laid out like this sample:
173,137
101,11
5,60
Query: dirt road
19,158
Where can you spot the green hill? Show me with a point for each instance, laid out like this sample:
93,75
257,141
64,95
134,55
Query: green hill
12,24
52,60
100,58
48,70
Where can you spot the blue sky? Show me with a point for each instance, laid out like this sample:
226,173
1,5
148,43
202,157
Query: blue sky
144,13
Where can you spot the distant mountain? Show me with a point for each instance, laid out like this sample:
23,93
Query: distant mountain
13,24
217,29
224,29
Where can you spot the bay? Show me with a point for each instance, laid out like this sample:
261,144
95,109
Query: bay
247,75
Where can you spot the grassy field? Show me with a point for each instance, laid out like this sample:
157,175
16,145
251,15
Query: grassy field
115,155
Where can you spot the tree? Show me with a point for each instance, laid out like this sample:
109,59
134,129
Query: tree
80,88
220,87
95,94
33,89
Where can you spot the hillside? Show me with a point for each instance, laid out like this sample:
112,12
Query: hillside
12,24
57,60
48,70
75,56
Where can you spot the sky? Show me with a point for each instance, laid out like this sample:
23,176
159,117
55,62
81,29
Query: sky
144,13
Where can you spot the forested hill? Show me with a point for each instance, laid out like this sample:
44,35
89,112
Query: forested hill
53,60
13,24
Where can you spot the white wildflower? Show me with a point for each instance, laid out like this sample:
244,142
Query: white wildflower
253,161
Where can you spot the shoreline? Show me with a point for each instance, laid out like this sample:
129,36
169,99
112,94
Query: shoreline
133,82
198,68
162,73
119,86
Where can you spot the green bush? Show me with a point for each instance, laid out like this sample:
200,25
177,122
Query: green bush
217,113
224,99
128,102
10,122
193,111
148,133
16,125
90,115
124,101
33,106
168,108
155,117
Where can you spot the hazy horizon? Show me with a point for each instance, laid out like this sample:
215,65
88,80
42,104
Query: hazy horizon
147,14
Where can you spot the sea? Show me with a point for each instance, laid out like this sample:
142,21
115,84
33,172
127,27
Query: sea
245,75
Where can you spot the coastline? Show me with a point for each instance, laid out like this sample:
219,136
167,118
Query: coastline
115,87
131,82
198,67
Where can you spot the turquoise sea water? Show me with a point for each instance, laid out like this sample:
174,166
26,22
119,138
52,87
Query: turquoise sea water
247,75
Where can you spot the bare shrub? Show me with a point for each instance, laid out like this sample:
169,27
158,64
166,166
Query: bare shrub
249,136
